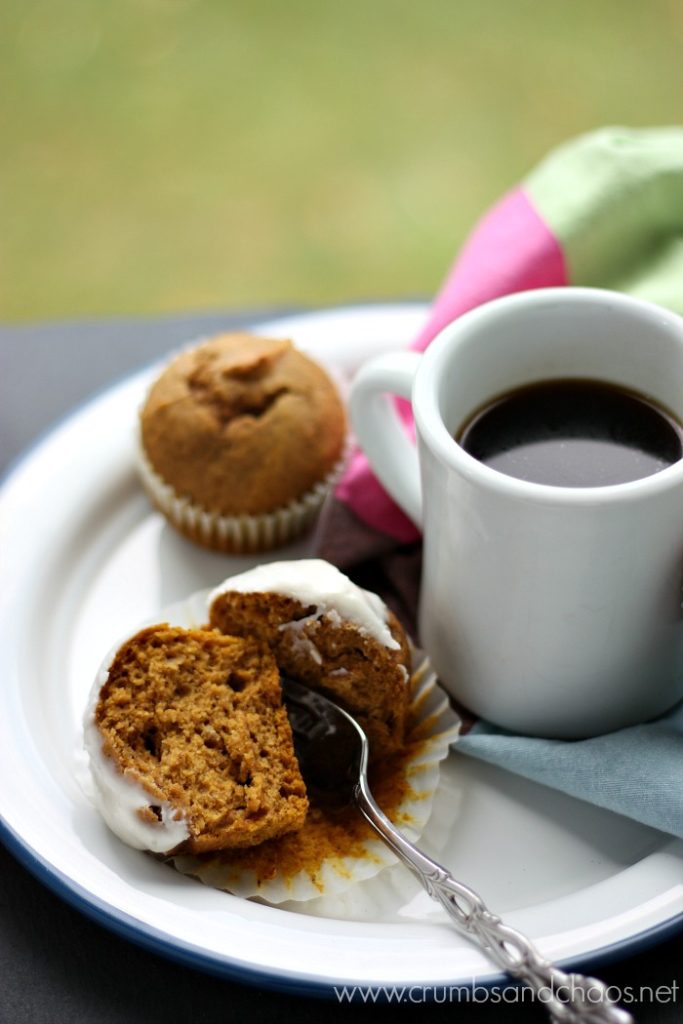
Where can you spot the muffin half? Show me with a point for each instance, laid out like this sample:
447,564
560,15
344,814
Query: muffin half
190,746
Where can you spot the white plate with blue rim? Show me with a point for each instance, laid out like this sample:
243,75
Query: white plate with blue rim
85,561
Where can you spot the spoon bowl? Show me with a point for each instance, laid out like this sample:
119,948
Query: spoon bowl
330,746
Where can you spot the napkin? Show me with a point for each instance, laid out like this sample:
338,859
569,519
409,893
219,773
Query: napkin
603,210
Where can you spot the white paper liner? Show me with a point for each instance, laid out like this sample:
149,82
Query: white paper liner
237,534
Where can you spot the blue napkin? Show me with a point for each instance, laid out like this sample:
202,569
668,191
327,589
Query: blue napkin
636,771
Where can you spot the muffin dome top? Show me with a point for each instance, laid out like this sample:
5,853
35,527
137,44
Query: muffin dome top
243,425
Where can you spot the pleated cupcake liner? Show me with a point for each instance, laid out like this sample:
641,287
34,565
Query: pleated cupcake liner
239,534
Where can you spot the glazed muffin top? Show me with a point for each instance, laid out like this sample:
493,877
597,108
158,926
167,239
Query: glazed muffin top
242,424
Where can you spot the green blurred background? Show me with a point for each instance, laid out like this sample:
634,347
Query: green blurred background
166,155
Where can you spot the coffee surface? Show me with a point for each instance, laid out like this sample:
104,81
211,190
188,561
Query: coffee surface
573,433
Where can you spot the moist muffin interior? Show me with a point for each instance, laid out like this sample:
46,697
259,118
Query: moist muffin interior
197,719
331,654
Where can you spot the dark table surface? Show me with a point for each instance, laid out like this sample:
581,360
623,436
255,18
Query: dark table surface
57,965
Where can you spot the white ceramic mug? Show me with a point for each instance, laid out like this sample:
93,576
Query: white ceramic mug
549,610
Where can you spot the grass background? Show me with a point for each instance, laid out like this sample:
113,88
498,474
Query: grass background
166,155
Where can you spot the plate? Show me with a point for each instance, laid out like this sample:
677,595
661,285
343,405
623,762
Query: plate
85,561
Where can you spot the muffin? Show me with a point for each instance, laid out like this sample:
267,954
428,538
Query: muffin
190,746
241,438
328,633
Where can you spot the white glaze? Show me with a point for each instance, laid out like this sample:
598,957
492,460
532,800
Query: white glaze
119,797
315,582
300,642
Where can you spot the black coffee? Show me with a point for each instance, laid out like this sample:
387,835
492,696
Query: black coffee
573,433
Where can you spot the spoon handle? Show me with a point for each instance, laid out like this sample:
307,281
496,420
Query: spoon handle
569,998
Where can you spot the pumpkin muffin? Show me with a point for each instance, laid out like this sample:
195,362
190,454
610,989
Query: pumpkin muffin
190,746
241,438
329,634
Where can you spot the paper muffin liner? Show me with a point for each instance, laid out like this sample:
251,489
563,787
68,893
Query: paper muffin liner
433,727
241,534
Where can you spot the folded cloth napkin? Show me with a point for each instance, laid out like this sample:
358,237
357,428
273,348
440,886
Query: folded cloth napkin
604,210
636,771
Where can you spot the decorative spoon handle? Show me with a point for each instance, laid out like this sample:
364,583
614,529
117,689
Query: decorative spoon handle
569,998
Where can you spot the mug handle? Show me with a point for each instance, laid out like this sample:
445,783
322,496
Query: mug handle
379,430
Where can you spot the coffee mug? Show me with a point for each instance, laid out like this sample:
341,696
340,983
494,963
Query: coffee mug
548,610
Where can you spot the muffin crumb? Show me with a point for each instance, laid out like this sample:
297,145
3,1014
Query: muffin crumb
194,722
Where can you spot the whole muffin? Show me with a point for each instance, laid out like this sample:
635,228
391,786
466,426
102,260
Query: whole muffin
241,438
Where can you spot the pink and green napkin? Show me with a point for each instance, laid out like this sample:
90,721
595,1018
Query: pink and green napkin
604,210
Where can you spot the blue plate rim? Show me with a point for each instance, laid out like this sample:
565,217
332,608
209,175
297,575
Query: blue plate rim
230,968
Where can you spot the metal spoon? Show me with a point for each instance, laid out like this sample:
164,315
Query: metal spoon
333,754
